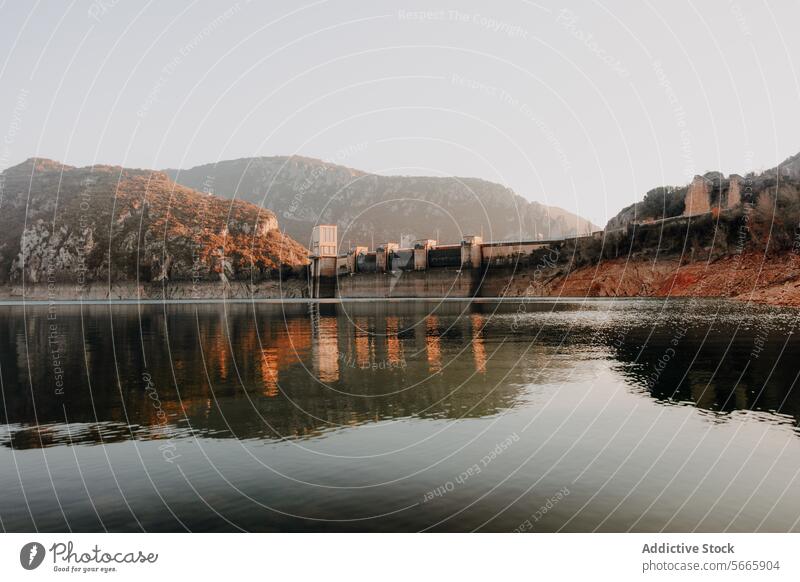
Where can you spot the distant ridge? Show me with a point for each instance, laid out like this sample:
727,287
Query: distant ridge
305,191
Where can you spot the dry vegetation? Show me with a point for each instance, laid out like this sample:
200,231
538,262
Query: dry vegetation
65,224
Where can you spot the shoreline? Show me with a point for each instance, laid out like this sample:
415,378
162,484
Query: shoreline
749,277
566,299
334,300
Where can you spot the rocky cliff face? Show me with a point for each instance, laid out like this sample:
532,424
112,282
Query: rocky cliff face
304,192
62,225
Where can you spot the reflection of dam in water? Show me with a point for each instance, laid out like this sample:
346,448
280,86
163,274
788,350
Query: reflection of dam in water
230,370
296,370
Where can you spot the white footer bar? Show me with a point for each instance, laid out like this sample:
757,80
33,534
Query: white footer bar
353,557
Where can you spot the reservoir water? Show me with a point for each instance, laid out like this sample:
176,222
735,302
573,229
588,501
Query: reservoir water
602,415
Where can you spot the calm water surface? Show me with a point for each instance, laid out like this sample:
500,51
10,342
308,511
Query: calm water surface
543,416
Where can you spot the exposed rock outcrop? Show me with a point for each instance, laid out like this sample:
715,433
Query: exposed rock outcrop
61,225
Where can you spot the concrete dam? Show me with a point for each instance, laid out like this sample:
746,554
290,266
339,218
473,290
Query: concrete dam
473,268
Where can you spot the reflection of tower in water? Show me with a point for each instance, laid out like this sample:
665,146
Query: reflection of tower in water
313,313
363,343
217,346
394,349
269,371
325,349
433,344
478,349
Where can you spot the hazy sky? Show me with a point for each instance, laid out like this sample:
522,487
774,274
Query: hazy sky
581,105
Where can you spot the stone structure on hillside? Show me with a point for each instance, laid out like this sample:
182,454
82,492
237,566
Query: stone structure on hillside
698,198
712,191
734,191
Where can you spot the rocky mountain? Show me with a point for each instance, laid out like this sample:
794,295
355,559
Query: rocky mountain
77,226
369,207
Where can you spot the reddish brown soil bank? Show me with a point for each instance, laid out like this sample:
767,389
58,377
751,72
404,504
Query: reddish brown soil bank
750,276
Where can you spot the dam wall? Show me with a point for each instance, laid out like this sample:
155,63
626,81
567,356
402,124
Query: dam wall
431,283
437,283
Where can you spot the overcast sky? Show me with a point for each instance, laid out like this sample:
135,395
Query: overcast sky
580,105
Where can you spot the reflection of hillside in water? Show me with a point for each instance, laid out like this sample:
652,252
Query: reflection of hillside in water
241,371
731,357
